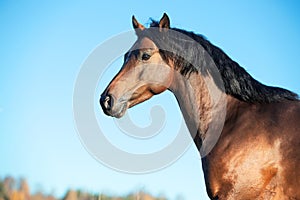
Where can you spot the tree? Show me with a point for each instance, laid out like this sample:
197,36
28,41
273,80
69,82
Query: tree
3,195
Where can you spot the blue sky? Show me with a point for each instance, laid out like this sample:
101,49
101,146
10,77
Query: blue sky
43,46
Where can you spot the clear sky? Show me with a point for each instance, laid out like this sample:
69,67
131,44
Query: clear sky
43,45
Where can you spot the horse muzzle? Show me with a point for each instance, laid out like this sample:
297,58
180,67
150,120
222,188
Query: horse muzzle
111,107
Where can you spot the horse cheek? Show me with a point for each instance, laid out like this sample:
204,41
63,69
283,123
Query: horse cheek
157,89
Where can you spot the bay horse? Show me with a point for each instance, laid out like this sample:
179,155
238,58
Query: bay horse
257,154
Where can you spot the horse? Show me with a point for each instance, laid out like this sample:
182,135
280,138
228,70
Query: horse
257,152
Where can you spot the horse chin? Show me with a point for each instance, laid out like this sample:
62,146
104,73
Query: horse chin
121,112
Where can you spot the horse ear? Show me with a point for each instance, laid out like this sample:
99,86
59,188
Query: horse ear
136,24
164,22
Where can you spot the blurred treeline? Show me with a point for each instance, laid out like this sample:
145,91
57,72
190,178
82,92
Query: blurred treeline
12,189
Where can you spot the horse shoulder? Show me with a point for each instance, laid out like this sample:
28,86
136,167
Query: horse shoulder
257,154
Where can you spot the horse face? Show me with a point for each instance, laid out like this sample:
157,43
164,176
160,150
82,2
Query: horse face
144,73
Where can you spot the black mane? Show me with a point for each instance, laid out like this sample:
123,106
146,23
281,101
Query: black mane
237,82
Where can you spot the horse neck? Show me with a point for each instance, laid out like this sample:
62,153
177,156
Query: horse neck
200,109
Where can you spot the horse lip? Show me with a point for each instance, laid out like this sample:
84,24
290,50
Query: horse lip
117,113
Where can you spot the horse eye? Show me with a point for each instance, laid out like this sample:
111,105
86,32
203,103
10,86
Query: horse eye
145,56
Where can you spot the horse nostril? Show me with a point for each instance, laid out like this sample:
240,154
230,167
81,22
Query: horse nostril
107,102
